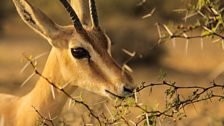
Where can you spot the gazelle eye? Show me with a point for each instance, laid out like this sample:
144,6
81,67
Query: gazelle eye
80,53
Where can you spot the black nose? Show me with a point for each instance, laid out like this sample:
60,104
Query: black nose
129,90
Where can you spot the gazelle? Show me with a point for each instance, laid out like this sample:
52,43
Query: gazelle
80,55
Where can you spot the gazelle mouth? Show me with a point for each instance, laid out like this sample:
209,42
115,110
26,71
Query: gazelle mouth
113,94
118,96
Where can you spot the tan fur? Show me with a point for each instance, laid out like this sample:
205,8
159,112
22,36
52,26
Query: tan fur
99,74
19,111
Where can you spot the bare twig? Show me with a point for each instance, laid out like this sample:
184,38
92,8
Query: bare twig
44,118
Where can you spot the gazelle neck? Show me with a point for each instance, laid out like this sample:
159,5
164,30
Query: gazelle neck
41,96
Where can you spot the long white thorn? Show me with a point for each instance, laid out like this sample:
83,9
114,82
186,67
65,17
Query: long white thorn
149,14
28,78
215,41
186,14
28,63
66,84
200,13
168,30
53,92
146,116
141,3
222,44
159,122
109,112
126,67
132,122
221,10
136,97
24,67
217,71
207,29
131,54
180,10
100,102
174,42
202,44
186,46
50,117
69,104
159,31
189,16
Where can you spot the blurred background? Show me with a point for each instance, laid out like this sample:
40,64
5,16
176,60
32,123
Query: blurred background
122,20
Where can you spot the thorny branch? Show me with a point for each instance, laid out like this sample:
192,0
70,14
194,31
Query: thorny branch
182,33
44,119
122,107
176,104
91,112
209,22
199,94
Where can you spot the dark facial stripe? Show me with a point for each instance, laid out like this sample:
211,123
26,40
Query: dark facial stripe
96,69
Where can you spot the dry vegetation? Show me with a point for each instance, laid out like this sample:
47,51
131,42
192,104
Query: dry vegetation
182,54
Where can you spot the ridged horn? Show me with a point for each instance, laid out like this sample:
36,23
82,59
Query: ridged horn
93,13
75,19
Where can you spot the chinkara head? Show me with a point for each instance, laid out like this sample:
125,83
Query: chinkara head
83,53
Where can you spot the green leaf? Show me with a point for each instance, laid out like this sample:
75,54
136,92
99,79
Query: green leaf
205,33
162,74
202,3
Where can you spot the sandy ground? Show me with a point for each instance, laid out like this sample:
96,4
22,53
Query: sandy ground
193,68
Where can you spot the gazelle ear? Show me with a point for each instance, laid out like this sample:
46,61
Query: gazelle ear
37,20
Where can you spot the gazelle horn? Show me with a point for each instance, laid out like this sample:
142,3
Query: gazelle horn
93,13
76,22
